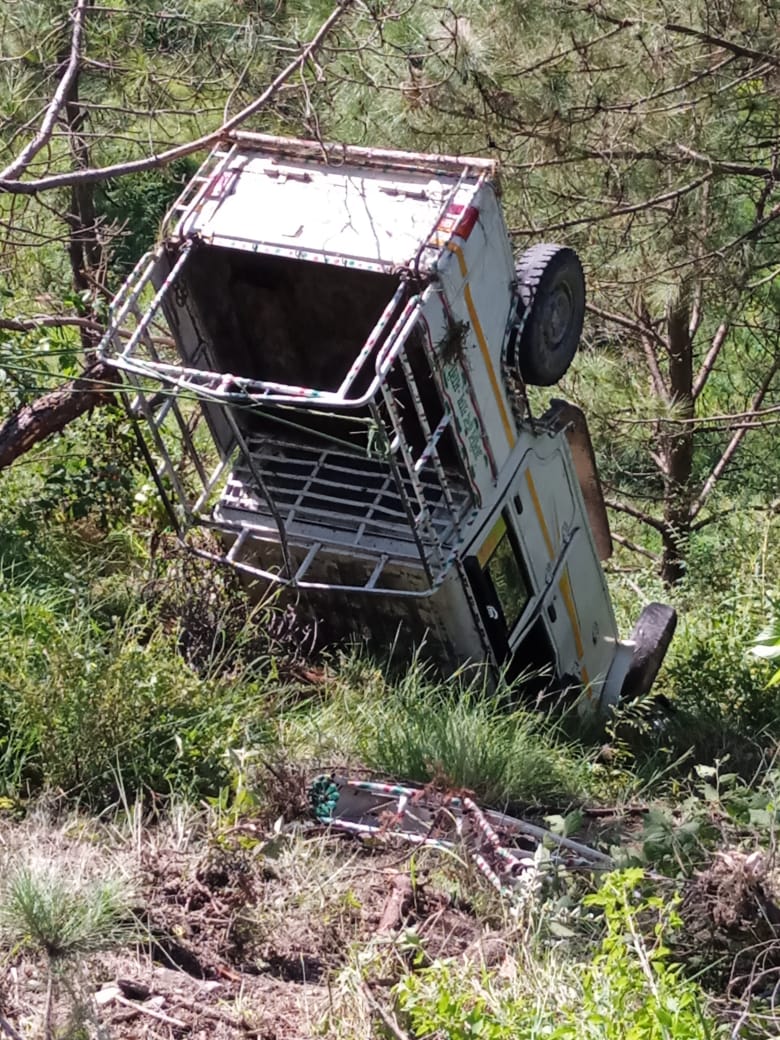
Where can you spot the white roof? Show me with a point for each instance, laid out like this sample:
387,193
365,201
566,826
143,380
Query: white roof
359,213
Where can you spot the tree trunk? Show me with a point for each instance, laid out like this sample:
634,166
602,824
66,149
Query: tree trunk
51,413
677,448
83,246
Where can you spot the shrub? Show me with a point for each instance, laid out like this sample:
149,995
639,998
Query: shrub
719,693
92,701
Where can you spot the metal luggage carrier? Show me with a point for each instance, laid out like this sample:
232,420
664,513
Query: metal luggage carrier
344,501
395,507
402,501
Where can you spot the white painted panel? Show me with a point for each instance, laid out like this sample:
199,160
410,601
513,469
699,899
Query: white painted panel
476,277
551,514
344,214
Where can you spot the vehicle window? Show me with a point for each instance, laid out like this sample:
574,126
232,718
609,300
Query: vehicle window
505,572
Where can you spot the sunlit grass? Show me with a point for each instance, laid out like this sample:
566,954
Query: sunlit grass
420,730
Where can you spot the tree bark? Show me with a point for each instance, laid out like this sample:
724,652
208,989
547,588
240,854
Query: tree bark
677,448
52,412
84,248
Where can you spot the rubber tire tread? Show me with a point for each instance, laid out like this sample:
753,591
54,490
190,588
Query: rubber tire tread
652,634
532,268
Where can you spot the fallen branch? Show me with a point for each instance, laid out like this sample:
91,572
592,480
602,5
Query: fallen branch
213,1014
177,1023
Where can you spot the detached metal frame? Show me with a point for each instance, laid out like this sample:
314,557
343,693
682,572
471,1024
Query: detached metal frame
415,514
502,847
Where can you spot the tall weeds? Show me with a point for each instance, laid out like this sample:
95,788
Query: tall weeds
98,693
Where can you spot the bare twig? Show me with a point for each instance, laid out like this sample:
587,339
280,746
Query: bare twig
388,1020
628,544
25,157
634,325
637,514
212,1013
48,321
177,1023
8,1029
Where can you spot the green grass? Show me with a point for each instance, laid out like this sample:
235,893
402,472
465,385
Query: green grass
60,910
107,686
625,987
419,729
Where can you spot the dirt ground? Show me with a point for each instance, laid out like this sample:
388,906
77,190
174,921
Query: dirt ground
244,933
287,931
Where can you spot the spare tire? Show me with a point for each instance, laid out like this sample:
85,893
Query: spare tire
550,313
651,637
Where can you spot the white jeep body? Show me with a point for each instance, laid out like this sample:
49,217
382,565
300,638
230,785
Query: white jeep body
319,349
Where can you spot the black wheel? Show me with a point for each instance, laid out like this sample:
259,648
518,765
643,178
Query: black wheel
551,287
652,635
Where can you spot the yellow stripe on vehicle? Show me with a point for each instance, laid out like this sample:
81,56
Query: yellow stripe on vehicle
539,514
488,546
483,346
565,583
568,599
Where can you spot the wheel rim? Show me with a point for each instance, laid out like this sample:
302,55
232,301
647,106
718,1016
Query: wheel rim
558,310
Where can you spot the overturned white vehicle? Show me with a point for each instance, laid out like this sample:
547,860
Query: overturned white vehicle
328,356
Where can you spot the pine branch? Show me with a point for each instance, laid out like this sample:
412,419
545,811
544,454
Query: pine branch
737,437
152,162
634,325
710,358
724,166
727,45
619,211
731,46
28,153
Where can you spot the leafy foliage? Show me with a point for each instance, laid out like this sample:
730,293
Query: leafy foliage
767,646
135,206
630,990
719,693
